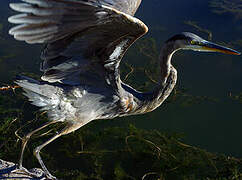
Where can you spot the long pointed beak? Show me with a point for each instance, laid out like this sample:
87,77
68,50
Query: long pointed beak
208,46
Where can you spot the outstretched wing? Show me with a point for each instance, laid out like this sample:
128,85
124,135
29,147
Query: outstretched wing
84,39
126,6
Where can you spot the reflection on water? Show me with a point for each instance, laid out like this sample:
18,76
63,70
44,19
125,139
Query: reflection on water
206,105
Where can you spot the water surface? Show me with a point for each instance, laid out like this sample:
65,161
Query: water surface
214,124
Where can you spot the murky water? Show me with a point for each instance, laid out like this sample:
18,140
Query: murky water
213,124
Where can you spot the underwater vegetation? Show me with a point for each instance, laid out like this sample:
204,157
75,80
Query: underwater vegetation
115,153
200,29
10,114
227,6
3,58
237,97
157,28
108,153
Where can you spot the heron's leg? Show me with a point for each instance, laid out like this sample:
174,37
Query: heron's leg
70,128
27,137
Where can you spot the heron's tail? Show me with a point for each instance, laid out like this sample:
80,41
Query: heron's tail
41,94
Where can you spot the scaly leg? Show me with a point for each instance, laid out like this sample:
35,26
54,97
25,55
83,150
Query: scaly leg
27,137
70,128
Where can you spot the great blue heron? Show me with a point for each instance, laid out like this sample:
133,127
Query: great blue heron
85,42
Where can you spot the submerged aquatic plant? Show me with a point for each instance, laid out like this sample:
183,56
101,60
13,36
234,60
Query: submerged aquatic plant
237,97
117,153
114,153
200,29
131,153
6,57
110,153
10,115
94,153
227,6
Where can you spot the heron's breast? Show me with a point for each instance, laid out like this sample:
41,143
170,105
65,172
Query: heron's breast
127,104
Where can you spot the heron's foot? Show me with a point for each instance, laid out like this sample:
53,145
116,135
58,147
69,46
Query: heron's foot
33,173
36,173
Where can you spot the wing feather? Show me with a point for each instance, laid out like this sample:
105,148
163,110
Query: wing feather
85,40
126,6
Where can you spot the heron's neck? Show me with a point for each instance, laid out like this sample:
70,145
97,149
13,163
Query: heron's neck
165,57
152,100
168,76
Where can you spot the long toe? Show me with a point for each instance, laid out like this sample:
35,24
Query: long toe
24,173
51,177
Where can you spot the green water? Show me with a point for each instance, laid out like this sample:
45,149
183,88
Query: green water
208,112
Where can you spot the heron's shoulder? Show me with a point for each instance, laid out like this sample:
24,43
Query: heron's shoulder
130,19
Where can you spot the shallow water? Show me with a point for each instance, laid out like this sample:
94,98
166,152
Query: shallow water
213,124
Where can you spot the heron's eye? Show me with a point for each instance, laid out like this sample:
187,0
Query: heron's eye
193,42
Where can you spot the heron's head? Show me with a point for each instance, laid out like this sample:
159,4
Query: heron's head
193,42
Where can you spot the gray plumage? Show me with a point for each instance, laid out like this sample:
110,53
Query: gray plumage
85,41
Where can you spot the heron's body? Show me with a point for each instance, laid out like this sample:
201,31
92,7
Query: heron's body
83,103
85,41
